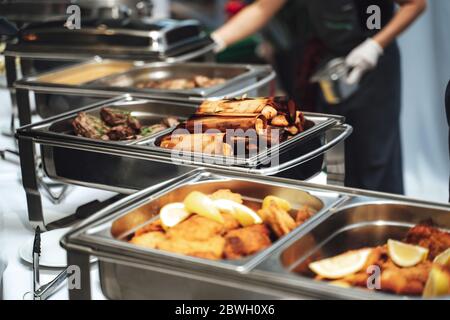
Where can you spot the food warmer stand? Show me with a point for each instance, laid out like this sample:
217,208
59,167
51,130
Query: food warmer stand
126,167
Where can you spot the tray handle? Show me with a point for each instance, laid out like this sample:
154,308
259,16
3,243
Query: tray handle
191,55
269,77
346,131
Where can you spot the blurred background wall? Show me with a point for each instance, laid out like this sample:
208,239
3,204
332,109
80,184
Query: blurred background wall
426,71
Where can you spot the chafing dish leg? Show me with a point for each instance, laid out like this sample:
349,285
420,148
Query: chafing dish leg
335,161
23,106
11,77
79,278
30,182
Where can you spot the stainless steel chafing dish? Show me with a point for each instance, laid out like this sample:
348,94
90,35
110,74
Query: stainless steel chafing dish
130,166
50,45
347,218
119,38
80,84
25,11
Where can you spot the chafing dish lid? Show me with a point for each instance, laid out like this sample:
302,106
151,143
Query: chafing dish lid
153,35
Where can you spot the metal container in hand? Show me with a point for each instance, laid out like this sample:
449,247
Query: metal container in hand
332,79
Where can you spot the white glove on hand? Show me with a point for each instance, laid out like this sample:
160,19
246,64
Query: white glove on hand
220,44
363,58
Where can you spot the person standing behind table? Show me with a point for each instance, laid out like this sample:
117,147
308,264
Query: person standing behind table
373,151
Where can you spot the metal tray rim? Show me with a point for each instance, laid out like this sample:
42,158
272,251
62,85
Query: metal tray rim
197,176
35,131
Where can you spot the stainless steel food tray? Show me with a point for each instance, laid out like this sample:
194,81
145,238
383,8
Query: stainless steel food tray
240,79
126,167
54,96
367,219
130,272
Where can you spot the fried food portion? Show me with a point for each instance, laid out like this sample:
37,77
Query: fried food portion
149,240
226,194
403,281
246,241
196,228
435,240
230,223
407,281
150,227
303,214
211,248
277,219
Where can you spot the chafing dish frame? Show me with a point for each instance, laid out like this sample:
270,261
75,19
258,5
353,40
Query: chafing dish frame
18,58
264,279
29,136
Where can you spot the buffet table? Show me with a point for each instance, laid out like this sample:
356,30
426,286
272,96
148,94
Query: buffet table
15,229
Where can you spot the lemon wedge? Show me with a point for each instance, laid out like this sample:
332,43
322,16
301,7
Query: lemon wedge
342,265
406,255
241,213
281,203
443,259
339,283
172,214
438,283
201,204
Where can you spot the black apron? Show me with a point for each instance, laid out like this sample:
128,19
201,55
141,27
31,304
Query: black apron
373,152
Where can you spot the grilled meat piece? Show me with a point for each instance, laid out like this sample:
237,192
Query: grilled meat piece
246,241
426,236
122,132
171,122
181,83
88,126
115,117
170,84
205,82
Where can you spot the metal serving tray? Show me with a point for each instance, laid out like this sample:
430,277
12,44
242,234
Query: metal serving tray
81,73
130,272
131,166
240,79
143,207
54,92
363,221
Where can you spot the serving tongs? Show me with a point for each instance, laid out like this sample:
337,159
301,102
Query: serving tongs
45,291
